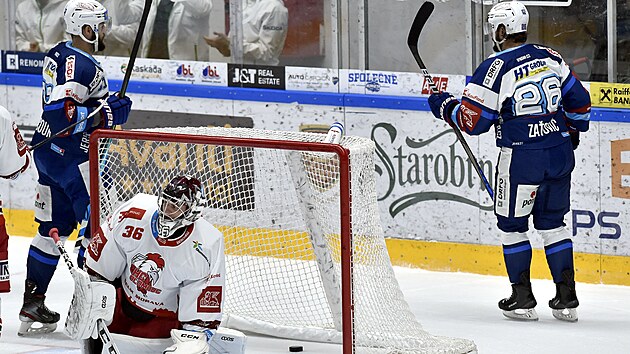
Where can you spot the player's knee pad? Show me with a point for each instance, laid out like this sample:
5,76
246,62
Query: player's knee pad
46,244
510,238
554,235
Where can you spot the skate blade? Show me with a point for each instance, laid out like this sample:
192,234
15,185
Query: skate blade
522,314
27,328
569,315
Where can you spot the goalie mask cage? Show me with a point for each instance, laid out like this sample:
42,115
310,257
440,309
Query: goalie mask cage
305,254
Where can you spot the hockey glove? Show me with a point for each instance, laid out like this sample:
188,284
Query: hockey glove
116,110
442,105
575,138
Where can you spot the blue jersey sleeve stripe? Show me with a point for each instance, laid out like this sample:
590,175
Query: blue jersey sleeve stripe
578,116
568,84
54,106
454,115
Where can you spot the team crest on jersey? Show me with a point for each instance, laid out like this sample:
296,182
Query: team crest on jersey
210,300
145,271
469,116
19,141
97,243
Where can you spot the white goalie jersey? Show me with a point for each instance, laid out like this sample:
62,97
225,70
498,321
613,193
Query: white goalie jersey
14,154
181,278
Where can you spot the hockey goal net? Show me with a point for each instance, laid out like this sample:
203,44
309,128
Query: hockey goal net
306,256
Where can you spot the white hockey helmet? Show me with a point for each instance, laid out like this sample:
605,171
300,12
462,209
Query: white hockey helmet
180,203
79,13
512,14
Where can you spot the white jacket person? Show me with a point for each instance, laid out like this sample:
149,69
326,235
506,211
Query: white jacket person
125,16
265,25
39,25
188,22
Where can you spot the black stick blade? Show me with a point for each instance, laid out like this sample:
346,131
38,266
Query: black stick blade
418,23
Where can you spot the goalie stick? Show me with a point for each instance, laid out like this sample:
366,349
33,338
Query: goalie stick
125,82
103,333
412,41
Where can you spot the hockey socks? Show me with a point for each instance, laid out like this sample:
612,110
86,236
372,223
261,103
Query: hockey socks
559,258
518,258
40,268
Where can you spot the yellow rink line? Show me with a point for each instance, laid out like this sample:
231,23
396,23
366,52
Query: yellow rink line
429,255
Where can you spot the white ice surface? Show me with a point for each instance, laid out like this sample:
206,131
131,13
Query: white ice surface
449,304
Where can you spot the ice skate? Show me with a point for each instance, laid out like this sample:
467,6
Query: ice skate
563,305
520,305
35,316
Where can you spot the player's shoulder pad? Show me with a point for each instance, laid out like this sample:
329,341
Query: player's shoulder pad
551,52
489,71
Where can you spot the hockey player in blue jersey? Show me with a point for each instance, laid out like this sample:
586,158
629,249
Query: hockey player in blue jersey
74,86
537,108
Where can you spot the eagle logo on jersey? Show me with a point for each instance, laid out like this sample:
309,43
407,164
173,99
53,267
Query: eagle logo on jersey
145,271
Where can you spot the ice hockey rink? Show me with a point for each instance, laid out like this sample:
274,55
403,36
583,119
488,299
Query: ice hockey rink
448,304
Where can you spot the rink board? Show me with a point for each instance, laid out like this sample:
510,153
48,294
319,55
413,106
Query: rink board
432,205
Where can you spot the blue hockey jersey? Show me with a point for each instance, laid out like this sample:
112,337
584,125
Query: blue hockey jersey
73,82
528,94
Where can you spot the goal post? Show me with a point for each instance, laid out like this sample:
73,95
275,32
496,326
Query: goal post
305,253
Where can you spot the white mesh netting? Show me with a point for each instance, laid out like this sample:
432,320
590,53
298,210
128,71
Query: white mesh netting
279,211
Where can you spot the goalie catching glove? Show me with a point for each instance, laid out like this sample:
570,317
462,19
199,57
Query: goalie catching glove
93,300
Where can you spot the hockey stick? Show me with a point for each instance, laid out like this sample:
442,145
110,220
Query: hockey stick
125,83
135,48
108,344
412,41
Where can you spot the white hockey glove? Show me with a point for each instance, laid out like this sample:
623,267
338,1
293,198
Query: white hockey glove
188,342
92,301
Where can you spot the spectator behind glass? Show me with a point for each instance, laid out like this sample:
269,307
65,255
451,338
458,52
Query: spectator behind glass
125,16
175,30
265,24
39,25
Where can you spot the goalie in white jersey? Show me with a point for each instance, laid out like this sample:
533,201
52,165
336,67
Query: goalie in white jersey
14,159
170,266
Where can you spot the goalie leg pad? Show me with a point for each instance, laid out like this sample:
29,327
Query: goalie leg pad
92,300
228,341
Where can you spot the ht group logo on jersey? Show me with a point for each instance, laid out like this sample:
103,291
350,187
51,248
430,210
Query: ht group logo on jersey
256,76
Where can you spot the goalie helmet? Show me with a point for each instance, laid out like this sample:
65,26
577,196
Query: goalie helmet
511,14
80,13
179,204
